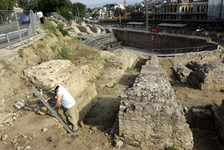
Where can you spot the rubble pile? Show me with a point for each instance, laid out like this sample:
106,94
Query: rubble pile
181,71
149,113
209,76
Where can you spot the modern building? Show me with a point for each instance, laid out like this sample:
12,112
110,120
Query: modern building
181,11
216,10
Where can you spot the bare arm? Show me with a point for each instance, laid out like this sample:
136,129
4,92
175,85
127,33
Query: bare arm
59,97
50,97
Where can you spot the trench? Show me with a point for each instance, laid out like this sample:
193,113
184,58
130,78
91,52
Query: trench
106,104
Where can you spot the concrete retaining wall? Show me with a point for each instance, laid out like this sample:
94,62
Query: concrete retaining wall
162,43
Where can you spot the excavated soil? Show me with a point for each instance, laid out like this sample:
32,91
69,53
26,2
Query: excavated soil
191,97
94,135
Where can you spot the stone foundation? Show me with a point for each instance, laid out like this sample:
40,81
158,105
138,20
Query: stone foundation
209,76
149,113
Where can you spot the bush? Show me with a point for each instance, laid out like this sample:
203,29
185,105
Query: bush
50,27
60,28
65,13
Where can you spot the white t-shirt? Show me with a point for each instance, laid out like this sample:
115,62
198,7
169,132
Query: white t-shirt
67,100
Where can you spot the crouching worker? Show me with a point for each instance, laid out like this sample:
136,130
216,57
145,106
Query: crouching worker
64,98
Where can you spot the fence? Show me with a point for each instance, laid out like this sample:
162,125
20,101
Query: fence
16,26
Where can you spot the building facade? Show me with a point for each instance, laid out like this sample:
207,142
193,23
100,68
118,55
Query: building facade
216,10
181,11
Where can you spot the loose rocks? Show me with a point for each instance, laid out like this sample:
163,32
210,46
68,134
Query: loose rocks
20,104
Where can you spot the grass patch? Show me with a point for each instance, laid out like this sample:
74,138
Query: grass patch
20,53
167,65
40,46
64,53
52,19
50,27
61,29
40,61
53,48
172,148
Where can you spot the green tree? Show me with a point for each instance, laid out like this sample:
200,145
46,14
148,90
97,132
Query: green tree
130,9
79,9
95,14
119,12
7,4
23,3
66,13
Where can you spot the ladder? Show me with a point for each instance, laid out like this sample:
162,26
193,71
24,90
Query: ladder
39,95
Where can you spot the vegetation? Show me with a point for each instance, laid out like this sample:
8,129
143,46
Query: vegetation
7,4
20,53
50,27
118,12
130,9
64,7
61,29
172,148
79,9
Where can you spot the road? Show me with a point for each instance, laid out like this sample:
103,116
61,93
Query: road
6,28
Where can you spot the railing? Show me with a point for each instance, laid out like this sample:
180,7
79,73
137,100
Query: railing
16,26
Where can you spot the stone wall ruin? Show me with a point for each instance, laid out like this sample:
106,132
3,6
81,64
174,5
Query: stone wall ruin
149,113
203,70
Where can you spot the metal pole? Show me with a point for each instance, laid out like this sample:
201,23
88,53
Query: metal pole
146,14
7,35
18,26
37,6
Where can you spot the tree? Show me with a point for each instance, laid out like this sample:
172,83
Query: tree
130,9
66,13
79,9
7,4
95,14
119,12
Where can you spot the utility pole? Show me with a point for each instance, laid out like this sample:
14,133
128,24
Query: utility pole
220,12
125,10
146,15
37,6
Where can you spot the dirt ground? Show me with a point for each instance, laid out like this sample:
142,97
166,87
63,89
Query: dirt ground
191,97
95,135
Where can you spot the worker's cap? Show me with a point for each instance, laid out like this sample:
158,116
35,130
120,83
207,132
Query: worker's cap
53,86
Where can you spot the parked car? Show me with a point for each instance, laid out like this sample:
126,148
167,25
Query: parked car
25,19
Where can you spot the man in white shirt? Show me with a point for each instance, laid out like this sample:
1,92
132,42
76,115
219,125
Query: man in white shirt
67,101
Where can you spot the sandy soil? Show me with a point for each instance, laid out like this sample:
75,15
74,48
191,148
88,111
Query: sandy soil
95,135
191,97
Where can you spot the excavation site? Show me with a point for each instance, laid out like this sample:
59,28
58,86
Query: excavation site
133,90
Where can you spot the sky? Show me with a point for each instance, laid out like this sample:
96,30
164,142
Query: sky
97,3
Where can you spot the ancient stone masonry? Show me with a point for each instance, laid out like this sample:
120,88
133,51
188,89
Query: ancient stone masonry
202,57
219,119
149,113
209,76
181,71
73,78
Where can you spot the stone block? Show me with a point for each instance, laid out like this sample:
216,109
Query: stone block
181,71
20,104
